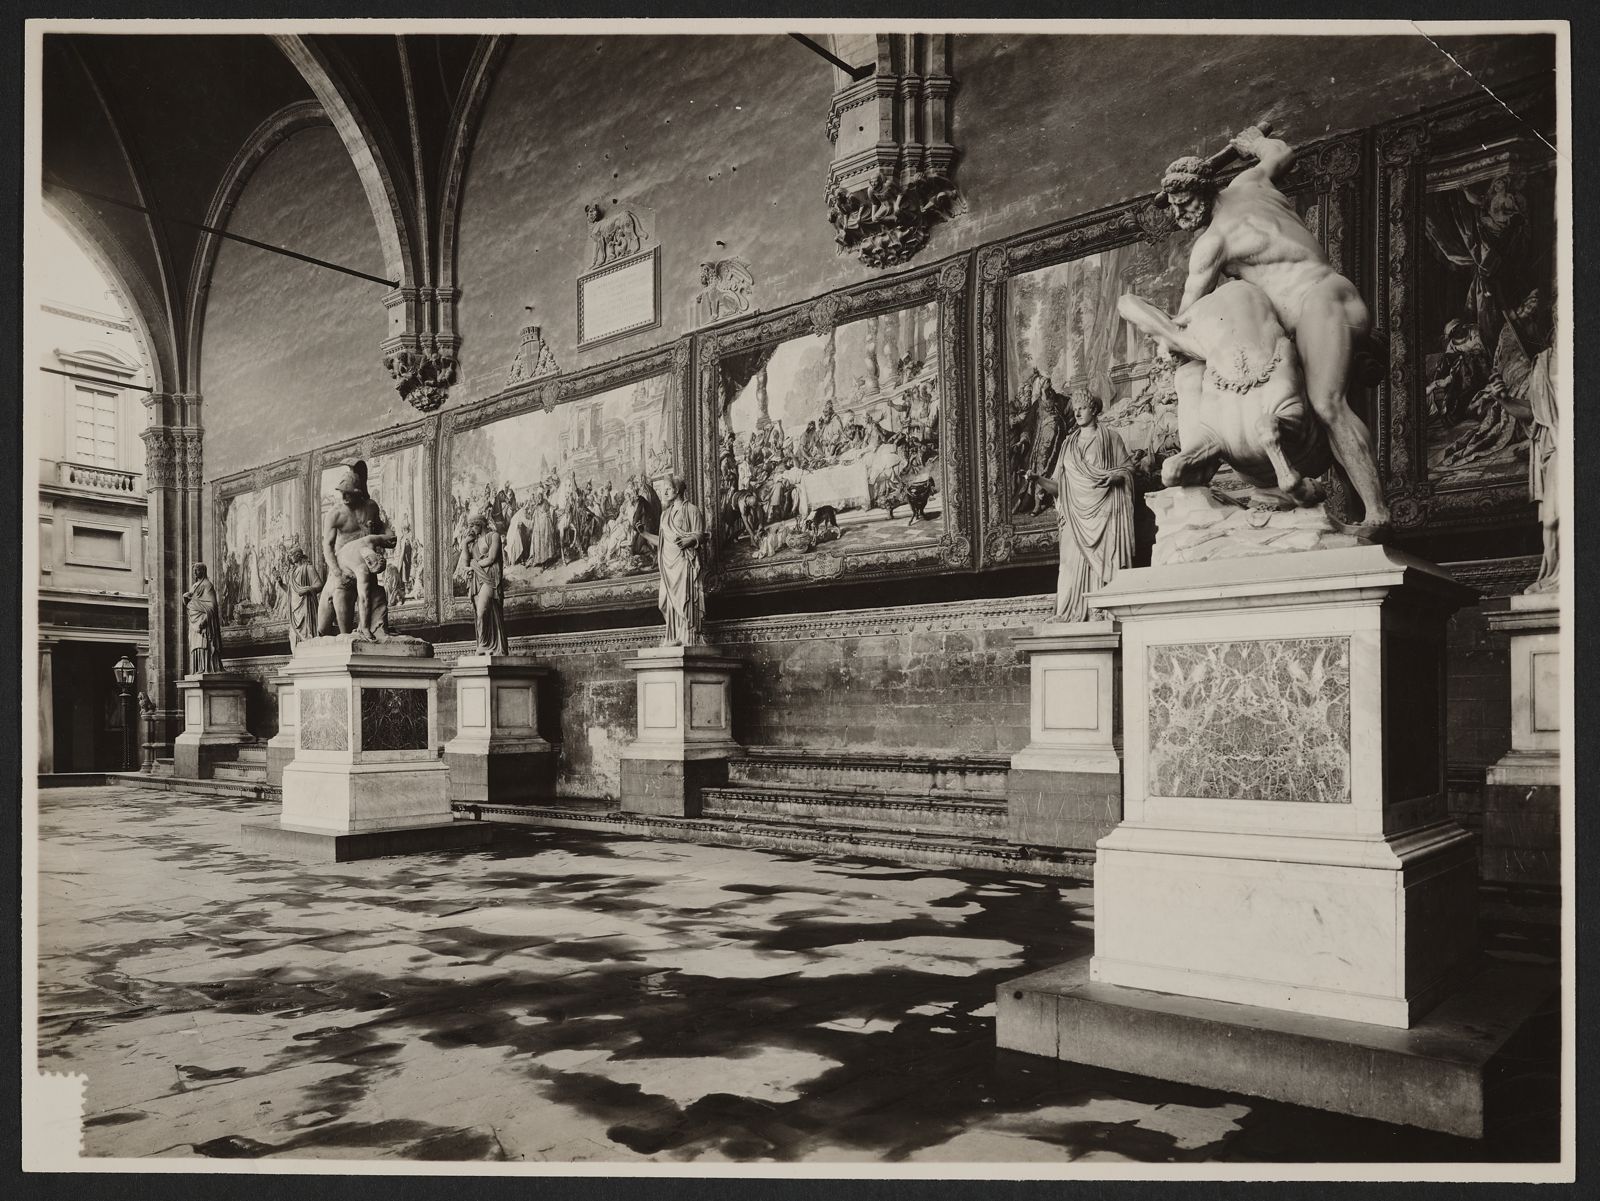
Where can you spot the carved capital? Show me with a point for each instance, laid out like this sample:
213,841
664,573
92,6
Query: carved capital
190,458
160,456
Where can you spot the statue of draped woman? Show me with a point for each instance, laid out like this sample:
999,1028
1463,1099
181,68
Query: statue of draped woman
1092,487
205,624
486,571
681,595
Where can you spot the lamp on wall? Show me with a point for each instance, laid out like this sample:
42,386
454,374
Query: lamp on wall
126,672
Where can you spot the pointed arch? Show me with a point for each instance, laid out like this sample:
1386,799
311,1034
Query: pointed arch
382,177
267,137
481,71
146,306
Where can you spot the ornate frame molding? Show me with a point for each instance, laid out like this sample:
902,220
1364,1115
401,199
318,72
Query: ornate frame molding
1331,168
947,284
425,433
674,362
260,629
1403,149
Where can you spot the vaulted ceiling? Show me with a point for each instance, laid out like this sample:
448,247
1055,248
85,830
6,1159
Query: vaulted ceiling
172,125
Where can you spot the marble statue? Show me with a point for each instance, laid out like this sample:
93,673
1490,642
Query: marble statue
1543,486
305,585
681,596
205,623
353,541
486,568
1251,233
1092,487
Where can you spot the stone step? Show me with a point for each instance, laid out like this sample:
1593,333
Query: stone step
215,788
253,752
925,814
874,773
810,838
242,771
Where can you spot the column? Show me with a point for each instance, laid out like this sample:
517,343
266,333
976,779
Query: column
167,570
46,706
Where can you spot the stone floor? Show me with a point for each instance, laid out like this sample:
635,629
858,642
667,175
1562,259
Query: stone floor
568,996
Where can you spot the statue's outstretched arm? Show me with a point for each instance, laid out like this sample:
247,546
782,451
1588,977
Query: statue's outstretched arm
1273,155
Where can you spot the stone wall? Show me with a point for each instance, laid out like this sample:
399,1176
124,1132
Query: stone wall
724,140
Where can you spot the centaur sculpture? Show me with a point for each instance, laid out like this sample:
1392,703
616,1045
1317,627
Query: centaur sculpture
1273,408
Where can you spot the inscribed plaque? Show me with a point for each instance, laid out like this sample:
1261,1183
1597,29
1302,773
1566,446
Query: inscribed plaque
620,298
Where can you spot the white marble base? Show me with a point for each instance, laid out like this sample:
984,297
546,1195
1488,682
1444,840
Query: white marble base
366,725
281,746
497,753
1284,840
349,799
684,704
214,707
1074,724
1533,623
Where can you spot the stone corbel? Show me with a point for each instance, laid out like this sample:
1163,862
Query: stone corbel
419,356
891,178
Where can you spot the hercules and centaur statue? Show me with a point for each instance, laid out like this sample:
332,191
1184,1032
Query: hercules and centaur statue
1271,332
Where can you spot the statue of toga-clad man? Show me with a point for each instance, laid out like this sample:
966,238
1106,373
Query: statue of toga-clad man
205,623
1093,490
355,517
304,587
1252,232
681,596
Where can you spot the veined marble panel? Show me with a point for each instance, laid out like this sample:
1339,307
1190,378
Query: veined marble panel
324,719
1264,720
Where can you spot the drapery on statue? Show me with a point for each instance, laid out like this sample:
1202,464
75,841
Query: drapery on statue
1543,486
486,583
681,596
1253,234
353,541
304,587
205,623
1093,490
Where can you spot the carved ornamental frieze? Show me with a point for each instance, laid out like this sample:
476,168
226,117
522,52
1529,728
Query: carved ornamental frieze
891,178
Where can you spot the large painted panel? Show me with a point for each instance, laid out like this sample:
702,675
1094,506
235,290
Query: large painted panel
257,518
570,472
1467,244
1048,328
833,437
400,477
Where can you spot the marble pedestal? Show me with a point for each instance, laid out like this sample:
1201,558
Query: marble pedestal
213,705
1284,841
497,753
1064,788
1533,623
366,778
684,732
1522,792
281,746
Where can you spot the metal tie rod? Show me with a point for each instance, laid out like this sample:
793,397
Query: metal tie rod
222,233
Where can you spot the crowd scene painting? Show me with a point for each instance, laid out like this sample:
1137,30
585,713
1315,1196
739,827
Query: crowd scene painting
1066,338
256,532
830,437
572,491
1487,301
398,481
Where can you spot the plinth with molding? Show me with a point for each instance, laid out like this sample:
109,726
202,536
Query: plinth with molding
282,745
366,779
683,729
1533,623
1064,788
214,706
497,753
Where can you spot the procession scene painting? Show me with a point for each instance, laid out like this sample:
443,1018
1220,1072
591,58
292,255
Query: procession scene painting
1066,338
1487,308
572,490
833,438
257,531
398,481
